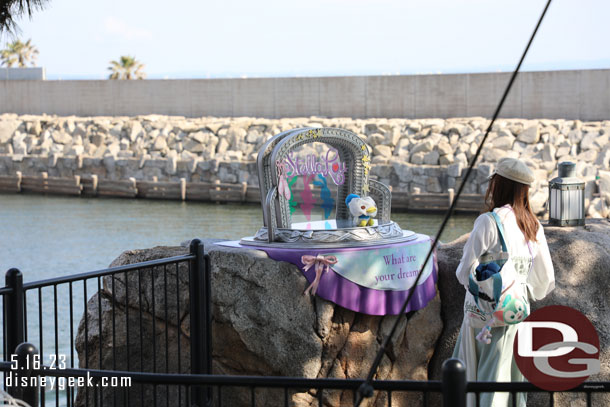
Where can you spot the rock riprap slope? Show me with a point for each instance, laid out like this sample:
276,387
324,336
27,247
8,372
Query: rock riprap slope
428,155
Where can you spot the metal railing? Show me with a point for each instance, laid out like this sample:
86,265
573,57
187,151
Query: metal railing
126,325
281,391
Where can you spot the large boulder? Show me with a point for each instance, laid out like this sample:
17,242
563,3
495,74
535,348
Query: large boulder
452,301
7,129
121,337
581,258
262,325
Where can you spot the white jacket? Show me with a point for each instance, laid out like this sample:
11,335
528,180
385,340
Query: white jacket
485,238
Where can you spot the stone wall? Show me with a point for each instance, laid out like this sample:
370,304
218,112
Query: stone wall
427,154
22,74
569,94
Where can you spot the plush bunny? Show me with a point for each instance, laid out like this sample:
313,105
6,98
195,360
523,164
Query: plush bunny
512,311
363,209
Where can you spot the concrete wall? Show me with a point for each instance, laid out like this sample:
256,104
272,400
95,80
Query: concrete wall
22,74
581,95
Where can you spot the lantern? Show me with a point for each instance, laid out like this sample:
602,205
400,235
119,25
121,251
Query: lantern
566,197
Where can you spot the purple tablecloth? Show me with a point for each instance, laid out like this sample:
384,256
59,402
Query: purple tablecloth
335,288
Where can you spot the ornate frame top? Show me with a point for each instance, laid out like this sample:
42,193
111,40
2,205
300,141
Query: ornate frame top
353,153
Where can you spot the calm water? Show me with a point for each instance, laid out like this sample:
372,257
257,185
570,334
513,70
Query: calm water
53,236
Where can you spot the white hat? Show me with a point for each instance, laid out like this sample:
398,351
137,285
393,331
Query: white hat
514,170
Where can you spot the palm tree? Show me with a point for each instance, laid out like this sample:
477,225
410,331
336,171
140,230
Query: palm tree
11,10
19,54
126,68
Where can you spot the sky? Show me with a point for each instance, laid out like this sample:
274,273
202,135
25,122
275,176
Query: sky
267,38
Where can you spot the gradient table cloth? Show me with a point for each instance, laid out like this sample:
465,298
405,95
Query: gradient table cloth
373,280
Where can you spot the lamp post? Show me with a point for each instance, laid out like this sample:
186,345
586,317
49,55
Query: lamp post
566,197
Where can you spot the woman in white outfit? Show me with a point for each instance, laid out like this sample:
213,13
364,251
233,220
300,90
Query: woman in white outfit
507,196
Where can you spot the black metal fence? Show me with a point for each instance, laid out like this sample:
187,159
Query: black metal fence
153,347
135,321
279,391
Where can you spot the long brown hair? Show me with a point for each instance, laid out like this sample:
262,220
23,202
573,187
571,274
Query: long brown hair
502,191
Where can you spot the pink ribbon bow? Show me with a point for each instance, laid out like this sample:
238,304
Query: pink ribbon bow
321,263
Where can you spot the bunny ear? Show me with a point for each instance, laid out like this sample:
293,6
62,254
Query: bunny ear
321,182
281,170
285,189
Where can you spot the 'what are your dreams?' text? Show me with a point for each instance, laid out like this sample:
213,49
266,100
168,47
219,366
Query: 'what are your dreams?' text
393,262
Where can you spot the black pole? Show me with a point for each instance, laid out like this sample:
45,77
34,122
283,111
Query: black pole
360,394
13,312
454,383
197,291
27,360
208,314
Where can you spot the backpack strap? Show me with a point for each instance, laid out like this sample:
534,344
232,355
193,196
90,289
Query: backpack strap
497,278
497,284
500,230
473,286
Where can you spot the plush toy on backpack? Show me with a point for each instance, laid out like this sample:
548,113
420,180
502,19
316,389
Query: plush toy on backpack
512,311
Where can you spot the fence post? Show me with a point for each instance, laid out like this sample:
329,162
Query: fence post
27,360
13,314
199,319
454,383
13,306
207,303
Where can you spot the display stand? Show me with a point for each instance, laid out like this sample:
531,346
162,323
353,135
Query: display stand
366,279
359,259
